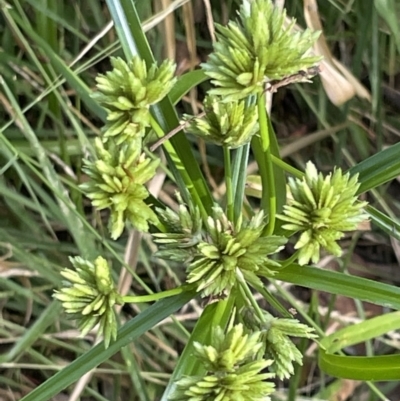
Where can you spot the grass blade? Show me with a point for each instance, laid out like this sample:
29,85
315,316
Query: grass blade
378,169
341,284
385,367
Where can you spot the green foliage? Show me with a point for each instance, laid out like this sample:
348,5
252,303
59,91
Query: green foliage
230,249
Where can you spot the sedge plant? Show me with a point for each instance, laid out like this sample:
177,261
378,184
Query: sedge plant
226,251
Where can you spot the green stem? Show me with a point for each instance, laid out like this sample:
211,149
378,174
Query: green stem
287,167
228,183
268,199
183,172
135,299
271,299
290,260
249,295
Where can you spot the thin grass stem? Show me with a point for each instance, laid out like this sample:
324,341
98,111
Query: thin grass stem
228,183
268,199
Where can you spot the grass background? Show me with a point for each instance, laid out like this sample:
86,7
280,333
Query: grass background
50,54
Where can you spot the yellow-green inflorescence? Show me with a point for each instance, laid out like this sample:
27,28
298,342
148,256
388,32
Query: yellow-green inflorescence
259,48
184,232
230,124
116,181
321,209
214,259
234,369
277,345
128,91
120,169
89,296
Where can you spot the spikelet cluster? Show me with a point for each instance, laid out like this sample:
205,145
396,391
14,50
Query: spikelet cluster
214,257
184,232
128,91
89,295
119,170
277,345
233,370
116,181
260,47
231,124
321,209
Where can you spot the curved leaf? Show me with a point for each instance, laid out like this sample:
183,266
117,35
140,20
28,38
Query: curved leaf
386,367
384,222
378,169
185,83
341,284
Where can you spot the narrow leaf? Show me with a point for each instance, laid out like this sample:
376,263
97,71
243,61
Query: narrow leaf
341,284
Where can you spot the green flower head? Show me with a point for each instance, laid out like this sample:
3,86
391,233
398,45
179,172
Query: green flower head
116,181
233,370
227,247
184,232
89,296
277,345
127,92
230,124
322,208
257,49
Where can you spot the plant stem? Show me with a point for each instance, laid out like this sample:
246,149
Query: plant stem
156,296
268,199
290,260
228,183
184,174
239,164
249,295
286,167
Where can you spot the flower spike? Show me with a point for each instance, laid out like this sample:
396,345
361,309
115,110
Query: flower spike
89,296
117,180
228,247
233,370
128,91
230,124
321,209
259,48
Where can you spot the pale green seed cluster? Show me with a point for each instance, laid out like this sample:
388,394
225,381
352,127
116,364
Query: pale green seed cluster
280,348
260,47
321,209
128,91
231,124
184,232
89,296
233,370
229,247
277,345
214,258
120,169
116,181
